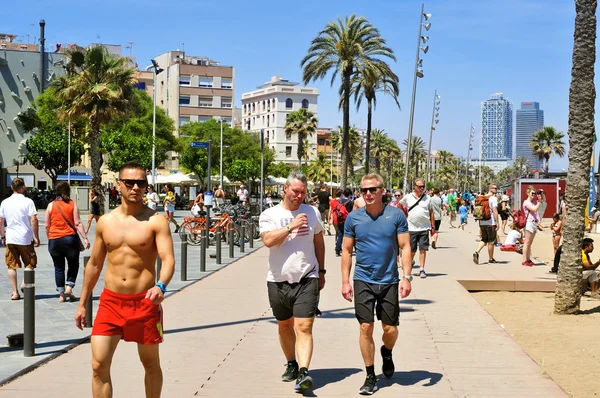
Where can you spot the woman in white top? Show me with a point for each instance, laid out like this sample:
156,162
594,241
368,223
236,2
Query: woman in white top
531,205
152,198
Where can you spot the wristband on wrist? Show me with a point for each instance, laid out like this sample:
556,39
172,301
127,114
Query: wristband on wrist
289,229
162,287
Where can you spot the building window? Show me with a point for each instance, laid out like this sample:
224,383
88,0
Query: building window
204,118
205,82
268,121
226,83
288,136
253,107
288,151
226,102
305,103
184,100
227,120
184,80
184,120
205,102
289,103
321,141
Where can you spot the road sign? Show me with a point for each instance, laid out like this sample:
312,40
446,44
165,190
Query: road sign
199,144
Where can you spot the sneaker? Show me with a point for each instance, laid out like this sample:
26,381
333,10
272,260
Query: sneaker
422,274
476,258
303,383
492,261
290,374
433,244
370,386
527,263
388,363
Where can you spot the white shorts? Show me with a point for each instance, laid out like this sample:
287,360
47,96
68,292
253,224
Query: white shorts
591,275
170,208
531,226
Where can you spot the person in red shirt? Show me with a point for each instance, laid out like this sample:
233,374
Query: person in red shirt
337,217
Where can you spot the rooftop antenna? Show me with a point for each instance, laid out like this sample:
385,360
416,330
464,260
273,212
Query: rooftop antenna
130,47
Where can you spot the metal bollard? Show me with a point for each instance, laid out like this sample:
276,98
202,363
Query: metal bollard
158,268
231,243
251,239
89,305
29,316
206,240
218,243
202,251
184,259
242,237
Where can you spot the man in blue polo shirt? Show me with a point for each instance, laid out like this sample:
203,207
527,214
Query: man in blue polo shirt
377,230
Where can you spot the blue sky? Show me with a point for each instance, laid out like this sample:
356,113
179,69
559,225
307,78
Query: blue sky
522,48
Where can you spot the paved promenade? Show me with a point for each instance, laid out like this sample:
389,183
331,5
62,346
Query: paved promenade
221,339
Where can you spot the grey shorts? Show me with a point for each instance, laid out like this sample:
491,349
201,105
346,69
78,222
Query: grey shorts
299,300
420,239
381,298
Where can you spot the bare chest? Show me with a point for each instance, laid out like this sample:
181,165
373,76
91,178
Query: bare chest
135,235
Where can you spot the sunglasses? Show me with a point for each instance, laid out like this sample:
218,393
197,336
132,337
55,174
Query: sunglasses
420,186
369,189
131,183
397,196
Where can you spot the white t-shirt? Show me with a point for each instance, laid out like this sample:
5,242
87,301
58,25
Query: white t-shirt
493,202
153,199
419,218
242,194
295,258
16,210
512,237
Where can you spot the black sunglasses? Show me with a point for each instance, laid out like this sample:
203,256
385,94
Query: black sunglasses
420,186
131,183
369,189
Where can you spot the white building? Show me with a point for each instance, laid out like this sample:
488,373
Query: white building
497,165
267,108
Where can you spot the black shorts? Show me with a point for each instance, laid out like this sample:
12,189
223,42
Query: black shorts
488,234
382,298
437,224
298,300
420,239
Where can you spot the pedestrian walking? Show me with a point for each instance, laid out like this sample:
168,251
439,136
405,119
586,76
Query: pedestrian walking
21,236
436,206
293,233
152,198
169,205
531,205
132,236
324,198
486,212
62,225
338,214
378,231
94,209
504,212
421,222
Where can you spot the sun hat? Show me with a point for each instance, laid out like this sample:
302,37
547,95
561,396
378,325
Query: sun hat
505,198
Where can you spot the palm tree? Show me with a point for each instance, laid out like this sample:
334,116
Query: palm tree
417,153
547,142
521,167
354,148
365,84
319,169
582,95
345,46
97,86
304,124
445,157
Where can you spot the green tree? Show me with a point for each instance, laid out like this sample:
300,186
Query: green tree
345,46
582,96
98,87
319,170
521,167
303,124
354,148
445,157
280,169
547,142
417,155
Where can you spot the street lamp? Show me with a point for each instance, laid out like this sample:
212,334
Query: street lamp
417,74
434,121
221,154
156,70
471,138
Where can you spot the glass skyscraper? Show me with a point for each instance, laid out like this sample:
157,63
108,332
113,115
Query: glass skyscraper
496,128
530,118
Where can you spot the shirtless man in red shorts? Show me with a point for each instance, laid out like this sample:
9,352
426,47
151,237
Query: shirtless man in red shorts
132,235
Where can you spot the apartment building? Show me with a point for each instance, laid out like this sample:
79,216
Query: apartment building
267,108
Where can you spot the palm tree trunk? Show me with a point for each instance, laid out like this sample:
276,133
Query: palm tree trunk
345,127
96,161
300,151
368,142
582,94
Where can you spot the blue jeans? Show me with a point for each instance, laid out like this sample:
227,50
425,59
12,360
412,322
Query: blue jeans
61,249
339,237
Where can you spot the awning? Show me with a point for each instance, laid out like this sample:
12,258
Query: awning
75,177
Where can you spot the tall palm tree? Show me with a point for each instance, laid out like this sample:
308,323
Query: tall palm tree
379,145
345,46
547,142
445,157
521,167
97,86
365,84
582,95
417,153
304,124
354,150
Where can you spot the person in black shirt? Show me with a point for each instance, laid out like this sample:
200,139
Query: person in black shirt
324,198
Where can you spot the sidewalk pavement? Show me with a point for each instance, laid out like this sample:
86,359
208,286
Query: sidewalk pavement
221,339
55,322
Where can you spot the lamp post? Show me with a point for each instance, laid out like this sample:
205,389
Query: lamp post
156,70
221,153
434,121
480,149
418,74
262,167
471,137
69,155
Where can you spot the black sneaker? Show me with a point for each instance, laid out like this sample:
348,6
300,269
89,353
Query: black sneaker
476,258
290,374
370,386
303,383
388,363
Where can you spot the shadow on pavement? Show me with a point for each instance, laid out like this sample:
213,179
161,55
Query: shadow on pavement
411,378
433,275
416,301
324,377
445,247
43,345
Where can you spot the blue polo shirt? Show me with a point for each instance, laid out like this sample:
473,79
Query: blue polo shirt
376,242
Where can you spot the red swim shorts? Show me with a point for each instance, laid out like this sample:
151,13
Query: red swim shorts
129,315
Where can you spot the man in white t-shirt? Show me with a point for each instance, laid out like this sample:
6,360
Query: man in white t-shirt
21,233
489,228
293,233
421,221
152,198
242,194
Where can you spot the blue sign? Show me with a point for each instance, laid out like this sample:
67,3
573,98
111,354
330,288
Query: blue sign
199,144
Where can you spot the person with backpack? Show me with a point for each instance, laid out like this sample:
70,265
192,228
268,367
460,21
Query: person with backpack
337,217
486,212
